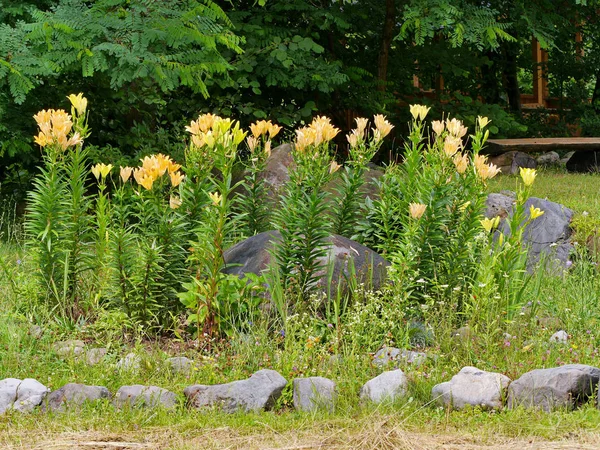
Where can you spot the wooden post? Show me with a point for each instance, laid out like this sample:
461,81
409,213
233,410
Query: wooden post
540,77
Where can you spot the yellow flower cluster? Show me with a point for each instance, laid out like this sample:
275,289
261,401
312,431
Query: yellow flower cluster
485,171
101,170
357,136
320,131
55,126
419,112
490,224
210,130
263,127
153,167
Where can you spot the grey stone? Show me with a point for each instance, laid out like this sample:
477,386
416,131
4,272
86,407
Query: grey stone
547,236
95,356
387,386
474,387
510,162
498,205
252,255
74,348
314,393
559,387
144,396
180,364
35,331
30,393
258,392
394,357
131,363
74,394
8,393
560,337
548,159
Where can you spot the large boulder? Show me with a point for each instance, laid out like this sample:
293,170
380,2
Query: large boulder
559,387
257,393
548,235
253,255
584,162
473,387
510,162
276,174
21,395
389,386
72,395
314,393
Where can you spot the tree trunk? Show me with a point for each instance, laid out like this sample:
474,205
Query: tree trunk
596,94
511,82
386,43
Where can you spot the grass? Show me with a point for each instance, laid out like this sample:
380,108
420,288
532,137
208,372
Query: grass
571,303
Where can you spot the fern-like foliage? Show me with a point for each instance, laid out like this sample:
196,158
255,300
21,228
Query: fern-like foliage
170,42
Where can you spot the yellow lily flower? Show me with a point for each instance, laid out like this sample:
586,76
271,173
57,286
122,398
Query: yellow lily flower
527,175
490,224
125,173
534,213
176,178
416,210
79,102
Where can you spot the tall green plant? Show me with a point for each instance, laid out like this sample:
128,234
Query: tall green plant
363,146
58,223
214,139
301,218
441,198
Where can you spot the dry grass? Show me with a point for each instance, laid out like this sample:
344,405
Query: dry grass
383,433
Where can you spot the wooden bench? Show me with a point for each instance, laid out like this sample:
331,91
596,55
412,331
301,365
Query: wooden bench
541,145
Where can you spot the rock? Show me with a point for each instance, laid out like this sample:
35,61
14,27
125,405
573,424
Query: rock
252,255
258,392
584,162
565,159
314,393
548,159
95,355
474,387
276,174
131,363
510,162
35,331
144,396
72,348
74,394
392,356
276,170
548,235
20,395
8,393
387,386
180,364
559,387
498,205
560,337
